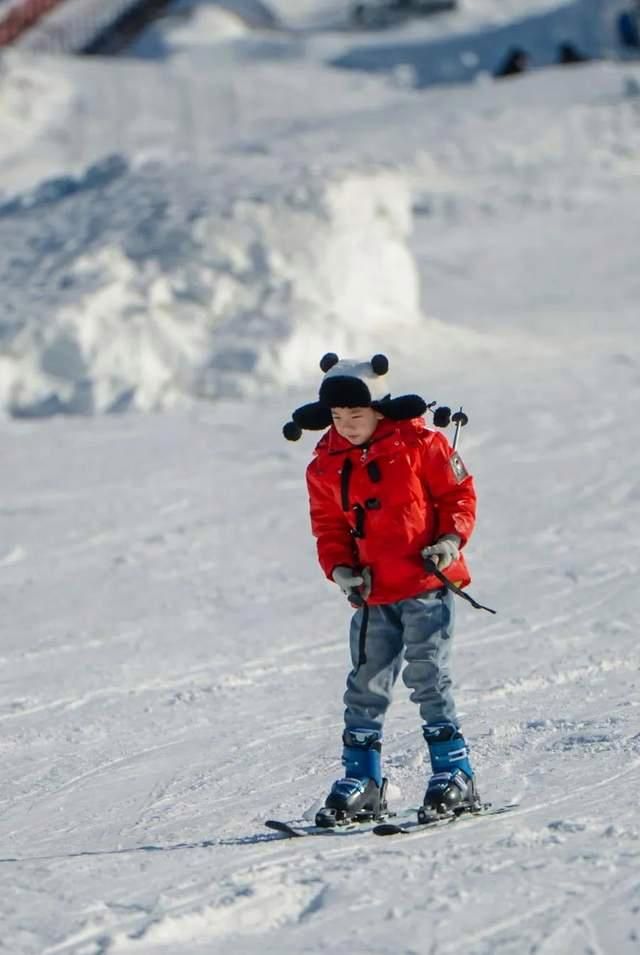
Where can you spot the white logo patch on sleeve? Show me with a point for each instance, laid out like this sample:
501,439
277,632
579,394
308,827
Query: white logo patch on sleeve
458,468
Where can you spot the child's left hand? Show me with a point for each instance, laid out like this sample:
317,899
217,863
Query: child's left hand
353,583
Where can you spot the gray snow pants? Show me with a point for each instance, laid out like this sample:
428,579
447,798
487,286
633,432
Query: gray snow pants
418,631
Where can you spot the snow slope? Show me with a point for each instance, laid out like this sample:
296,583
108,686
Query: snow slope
172,662
174,665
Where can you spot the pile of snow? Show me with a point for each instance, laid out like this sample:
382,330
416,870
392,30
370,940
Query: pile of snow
254,13
189,25
313,14
136,288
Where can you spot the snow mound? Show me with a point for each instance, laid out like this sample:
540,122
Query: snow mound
187,26
254,13
148,287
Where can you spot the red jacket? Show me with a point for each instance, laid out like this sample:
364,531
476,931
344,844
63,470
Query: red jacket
403,492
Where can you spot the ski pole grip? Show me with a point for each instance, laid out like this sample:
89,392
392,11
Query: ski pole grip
459,419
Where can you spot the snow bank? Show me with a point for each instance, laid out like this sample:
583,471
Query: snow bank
590,26
254,13
138,288
185,26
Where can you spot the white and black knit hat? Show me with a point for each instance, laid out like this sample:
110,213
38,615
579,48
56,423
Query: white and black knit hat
348,383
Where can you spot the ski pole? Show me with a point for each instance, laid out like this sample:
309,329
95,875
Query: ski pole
459,419
442,418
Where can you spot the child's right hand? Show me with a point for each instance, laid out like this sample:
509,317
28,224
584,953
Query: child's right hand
444,552
349,581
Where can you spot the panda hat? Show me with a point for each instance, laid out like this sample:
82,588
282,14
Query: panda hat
348,383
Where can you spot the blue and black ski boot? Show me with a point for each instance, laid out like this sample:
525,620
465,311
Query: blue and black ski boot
451,789
360,795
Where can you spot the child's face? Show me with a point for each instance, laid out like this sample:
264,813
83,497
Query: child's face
355,424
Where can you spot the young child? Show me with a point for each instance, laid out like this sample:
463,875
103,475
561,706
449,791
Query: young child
385,494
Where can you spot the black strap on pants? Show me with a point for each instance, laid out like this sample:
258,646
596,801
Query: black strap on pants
356,601
362,638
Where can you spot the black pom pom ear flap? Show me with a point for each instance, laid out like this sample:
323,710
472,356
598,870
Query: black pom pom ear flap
292,431
328,361
402,408
442,417
380,364
312,417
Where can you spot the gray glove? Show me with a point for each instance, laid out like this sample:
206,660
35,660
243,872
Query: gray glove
349,581
444,552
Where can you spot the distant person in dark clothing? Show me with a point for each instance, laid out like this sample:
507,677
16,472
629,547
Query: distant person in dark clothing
629,28
516,61
567,53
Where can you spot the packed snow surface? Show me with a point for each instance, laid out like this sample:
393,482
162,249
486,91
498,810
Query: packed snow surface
172,661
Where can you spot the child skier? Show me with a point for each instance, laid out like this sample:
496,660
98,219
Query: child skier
387,497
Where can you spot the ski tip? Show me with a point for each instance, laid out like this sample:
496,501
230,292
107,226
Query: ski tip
284,827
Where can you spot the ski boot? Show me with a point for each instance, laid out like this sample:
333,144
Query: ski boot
360,795
451,789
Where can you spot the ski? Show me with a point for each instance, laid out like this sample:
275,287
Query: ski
439,819
287,828
407,823
295,831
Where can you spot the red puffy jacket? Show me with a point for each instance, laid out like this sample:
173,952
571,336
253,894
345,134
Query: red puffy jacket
378,507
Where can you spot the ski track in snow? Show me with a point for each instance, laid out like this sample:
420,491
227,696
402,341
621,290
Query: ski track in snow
290,888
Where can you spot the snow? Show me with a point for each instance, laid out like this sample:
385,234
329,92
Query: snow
145,291
204,25
172,661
